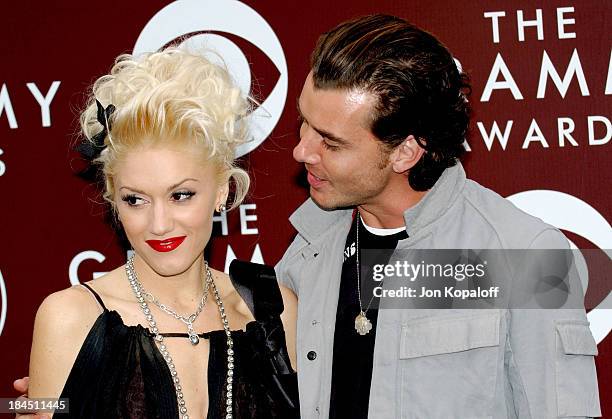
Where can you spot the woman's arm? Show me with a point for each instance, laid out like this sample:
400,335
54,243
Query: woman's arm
62,323
289,319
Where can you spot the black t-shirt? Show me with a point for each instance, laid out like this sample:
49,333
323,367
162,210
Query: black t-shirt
354,353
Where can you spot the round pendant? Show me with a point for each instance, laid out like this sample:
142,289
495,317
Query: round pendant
362,324
194,339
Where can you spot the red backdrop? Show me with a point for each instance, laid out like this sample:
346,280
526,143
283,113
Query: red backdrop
541,73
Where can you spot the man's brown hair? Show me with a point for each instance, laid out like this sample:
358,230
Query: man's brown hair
418,88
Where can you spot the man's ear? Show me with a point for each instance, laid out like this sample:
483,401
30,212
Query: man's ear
406,155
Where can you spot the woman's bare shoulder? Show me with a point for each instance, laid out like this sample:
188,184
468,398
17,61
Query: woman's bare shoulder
68,307
76,306
62,323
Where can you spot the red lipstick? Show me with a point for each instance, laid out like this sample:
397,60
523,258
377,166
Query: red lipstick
166,245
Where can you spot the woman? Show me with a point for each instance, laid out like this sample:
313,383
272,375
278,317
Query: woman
165,335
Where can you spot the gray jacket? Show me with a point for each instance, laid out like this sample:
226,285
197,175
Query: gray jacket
444,363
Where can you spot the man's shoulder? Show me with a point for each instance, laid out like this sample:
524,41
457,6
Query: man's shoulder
312,222
515,227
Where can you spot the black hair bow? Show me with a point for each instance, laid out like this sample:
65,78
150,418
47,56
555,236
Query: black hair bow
90,149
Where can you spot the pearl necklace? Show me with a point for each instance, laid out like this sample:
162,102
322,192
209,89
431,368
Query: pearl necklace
138,292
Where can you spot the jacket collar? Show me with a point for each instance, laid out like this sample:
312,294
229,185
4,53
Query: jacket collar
436,201
311,222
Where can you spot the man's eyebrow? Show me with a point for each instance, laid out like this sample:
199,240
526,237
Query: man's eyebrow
321,132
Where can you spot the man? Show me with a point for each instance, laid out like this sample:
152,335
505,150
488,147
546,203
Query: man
384,119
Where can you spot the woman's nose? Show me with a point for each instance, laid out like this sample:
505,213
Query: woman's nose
161,220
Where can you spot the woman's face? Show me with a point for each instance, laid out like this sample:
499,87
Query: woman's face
165,200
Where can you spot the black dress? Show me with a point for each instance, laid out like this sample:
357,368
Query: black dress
120,373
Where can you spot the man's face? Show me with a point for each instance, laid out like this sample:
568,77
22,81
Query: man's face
346,164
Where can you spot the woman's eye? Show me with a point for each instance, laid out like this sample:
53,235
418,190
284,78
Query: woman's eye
182,196
132,200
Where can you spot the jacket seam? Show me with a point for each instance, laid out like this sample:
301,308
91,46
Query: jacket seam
540,233
518,374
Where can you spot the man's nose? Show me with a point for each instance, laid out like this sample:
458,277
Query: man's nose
307,150
161,219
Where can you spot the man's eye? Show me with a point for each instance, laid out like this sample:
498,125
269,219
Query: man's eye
329,146
131,200
182,196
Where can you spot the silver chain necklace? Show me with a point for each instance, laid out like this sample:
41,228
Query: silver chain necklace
363,325
140,296
188,320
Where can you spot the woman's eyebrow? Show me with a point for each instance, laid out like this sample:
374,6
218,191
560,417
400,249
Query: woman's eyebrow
169,189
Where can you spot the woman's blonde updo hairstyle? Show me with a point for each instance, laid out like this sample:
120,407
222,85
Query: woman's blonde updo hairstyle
171,98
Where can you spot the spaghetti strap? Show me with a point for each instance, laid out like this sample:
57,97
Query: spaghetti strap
95,294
